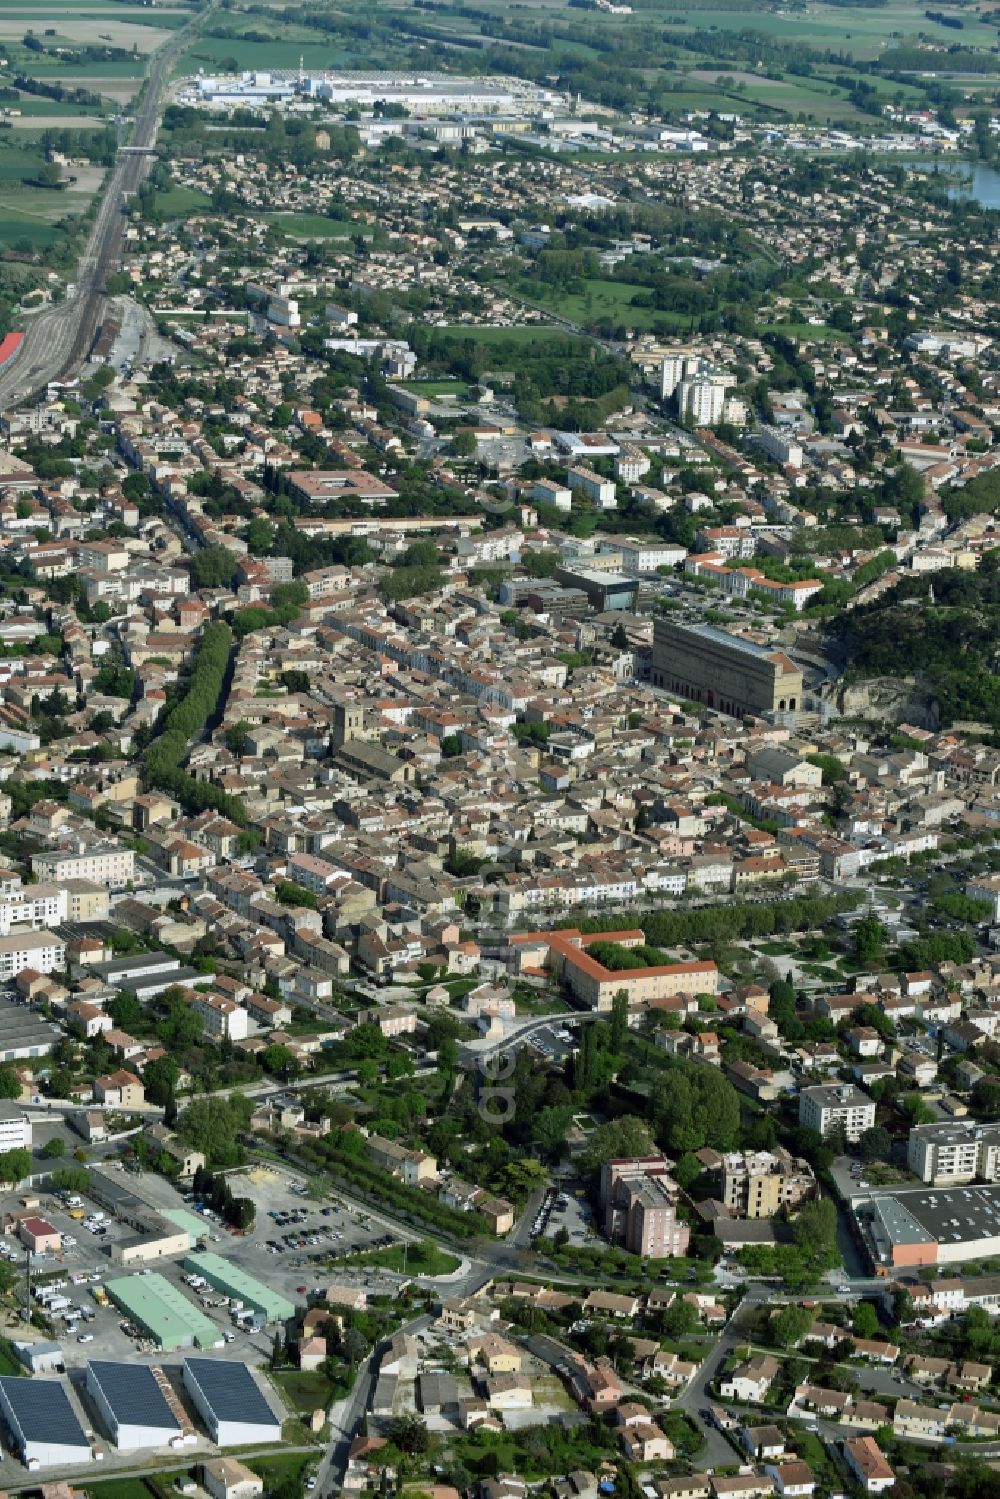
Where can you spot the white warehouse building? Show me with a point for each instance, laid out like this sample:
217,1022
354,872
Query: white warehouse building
134,1405
230,1402
42,1426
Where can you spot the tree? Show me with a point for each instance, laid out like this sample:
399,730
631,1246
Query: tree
619,1020
681,1319
832,768
814,1229
791,1324
903,1310
277,1352
917,1109
409,1433
212,1125
14,1165
126,1010
54,1148
627,1136
687,1171
985,1098
520,1178
353,1345
160,1079
10,1083
70,1179
869,940
279,1061
866,1324
698,1107
213,567
238,738
876,1144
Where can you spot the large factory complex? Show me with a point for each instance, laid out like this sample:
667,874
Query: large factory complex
420,93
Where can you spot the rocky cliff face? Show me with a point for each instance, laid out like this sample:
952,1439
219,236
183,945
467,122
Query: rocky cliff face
894,699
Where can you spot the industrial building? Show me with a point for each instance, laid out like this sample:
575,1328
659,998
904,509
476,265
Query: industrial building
929,1226
43,1428
23,1033
724,671
235,1283
134,1405
157,1239
157,1235
162,1313
418,93
230,1402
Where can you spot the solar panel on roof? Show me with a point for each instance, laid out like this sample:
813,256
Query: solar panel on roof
133,1394
42,1411
230,1390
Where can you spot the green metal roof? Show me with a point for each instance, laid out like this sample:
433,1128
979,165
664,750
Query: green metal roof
162,1311
190,1222
232,1281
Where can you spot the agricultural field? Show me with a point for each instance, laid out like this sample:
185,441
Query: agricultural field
234,54
70,31
861,31
179,202
29,215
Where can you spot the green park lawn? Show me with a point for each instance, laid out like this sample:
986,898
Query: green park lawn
317,226
419,1259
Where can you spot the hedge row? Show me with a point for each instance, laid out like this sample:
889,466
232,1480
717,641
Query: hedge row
186,719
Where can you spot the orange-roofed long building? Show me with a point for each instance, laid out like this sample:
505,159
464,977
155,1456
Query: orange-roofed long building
564,953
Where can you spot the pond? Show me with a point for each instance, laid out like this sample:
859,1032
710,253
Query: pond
977,181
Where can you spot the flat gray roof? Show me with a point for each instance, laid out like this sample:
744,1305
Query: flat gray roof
139,964
954,1214
899,1226
837,1095
956,1131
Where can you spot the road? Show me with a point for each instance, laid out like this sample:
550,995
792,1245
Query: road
718,1453
58,340
346,1416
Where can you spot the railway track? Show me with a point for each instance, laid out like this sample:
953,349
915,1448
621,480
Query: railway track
58,340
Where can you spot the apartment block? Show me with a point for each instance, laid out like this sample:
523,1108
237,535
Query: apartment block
837,1106
758,1184
104,862
639,1199
954,1151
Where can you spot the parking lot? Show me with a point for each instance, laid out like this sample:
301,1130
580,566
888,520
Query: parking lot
289,1250
574,1213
